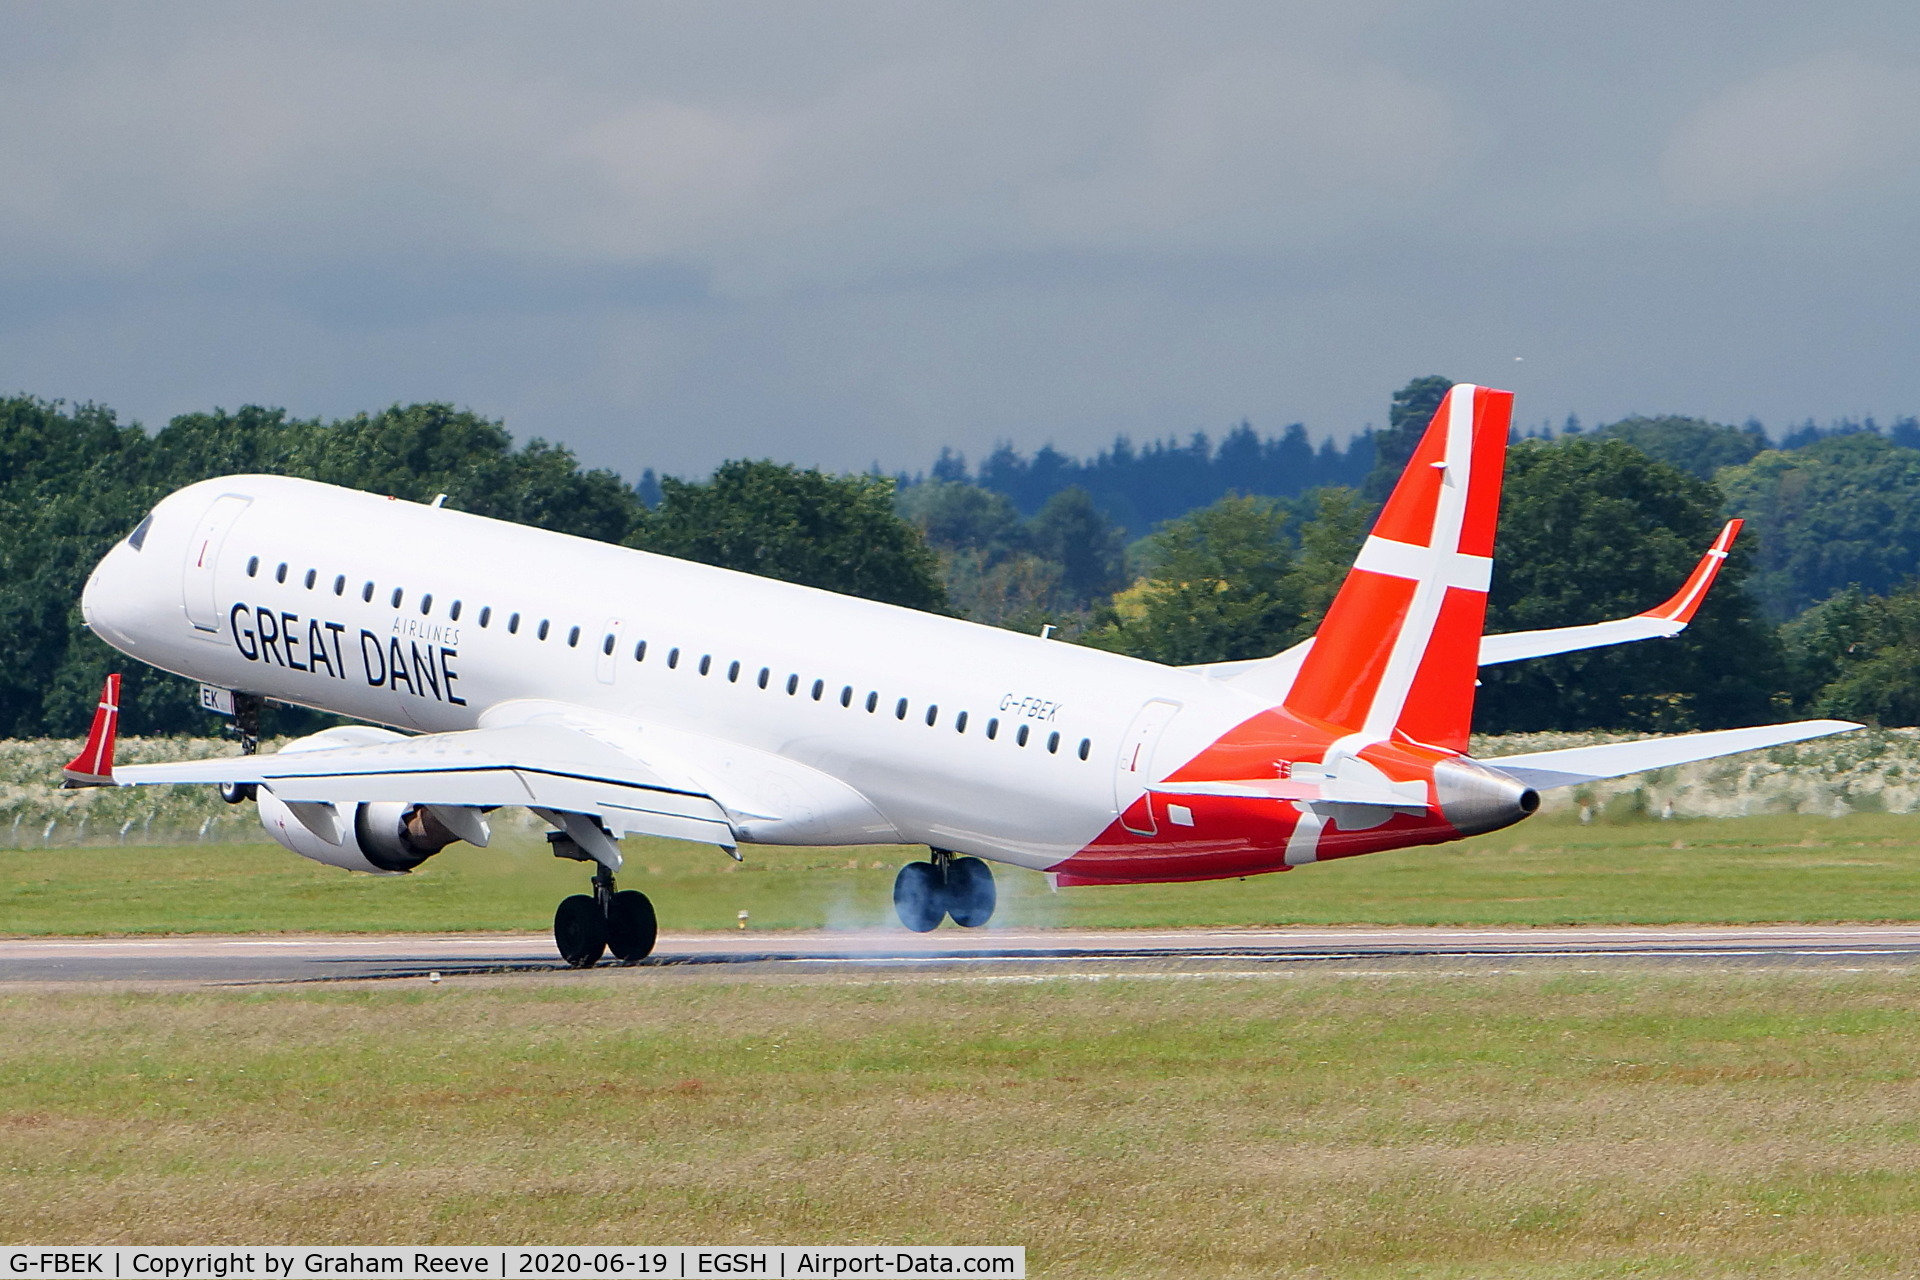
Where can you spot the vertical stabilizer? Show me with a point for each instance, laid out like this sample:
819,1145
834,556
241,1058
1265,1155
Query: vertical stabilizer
1399,649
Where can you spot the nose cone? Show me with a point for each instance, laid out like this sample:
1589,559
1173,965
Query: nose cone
105,600
1475,799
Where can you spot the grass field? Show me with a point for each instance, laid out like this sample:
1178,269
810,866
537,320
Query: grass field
1306,1123
1862,867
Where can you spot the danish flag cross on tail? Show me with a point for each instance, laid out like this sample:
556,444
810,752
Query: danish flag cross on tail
93,767
1399,650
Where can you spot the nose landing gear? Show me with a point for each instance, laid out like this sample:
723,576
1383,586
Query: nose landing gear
924,893
587,926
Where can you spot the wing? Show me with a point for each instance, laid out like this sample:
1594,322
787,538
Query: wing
541,766
1668,619
1546,769
1273,677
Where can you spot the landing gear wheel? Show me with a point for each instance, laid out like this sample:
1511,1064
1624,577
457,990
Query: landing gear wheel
580,931
631,926
970,893
919,896
238,792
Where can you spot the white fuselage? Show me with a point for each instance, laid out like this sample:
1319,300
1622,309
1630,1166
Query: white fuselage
430,619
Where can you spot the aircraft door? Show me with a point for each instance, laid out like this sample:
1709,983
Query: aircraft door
1133,769
609,660
199,585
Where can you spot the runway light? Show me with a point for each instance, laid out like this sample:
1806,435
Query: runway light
433,976
743,919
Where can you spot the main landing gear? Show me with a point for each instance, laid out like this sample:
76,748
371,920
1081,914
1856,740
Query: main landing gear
926,892
587,926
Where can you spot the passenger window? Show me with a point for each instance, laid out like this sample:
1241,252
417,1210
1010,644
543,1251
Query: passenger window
397,593
960,723
900,710
933,713
312,577
606,646
366,593
426,604
673,658
819,687
1086,745
573,638
486,615
513,625
1053,743
733,672
453,614
1021,737
764,673
993,728
846,696
706,663
340,585
640,652
280,574
543,628
873,702
793,685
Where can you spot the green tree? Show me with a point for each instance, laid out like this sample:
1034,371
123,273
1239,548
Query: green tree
1070,531
1221,588
1412,410
1844,510
1693,445
73,481
1596,529
954,515
1857,656
839,533
1329,541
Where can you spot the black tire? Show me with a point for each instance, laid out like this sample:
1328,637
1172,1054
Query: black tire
238,792
919,896
580,931
631,926
971,896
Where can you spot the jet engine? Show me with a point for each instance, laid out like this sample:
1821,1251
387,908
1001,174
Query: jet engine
383,837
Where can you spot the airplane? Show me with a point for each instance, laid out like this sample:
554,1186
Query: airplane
616,692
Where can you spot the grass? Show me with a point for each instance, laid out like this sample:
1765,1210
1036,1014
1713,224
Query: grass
1308,1123
1798,868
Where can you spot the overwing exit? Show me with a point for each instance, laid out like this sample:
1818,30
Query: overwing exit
614,693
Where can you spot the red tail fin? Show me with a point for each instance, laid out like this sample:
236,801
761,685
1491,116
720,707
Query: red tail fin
93,767
1399,650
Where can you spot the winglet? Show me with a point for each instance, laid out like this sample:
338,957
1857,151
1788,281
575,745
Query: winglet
1687,599
93,767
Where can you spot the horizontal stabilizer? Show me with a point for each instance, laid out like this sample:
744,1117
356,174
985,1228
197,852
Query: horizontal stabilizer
1545,769
1405,795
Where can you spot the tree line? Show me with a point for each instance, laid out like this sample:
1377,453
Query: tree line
1817,612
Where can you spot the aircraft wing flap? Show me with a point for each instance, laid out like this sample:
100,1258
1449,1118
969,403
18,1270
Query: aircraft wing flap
1547,769
539,766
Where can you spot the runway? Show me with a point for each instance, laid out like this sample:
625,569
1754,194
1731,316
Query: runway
227,960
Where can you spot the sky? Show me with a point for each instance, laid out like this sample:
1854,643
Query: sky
846,234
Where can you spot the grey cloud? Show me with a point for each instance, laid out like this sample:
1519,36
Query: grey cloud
845,233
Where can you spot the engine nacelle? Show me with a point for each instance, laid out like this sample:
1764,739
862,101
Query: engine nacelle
384,837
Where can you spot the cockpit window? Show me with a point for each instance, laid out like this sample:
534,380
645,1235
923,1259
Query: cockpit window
138,538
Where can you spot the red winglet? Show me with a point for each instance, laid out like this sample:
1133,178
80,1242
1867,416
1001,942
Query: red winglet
93,767
1687,599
